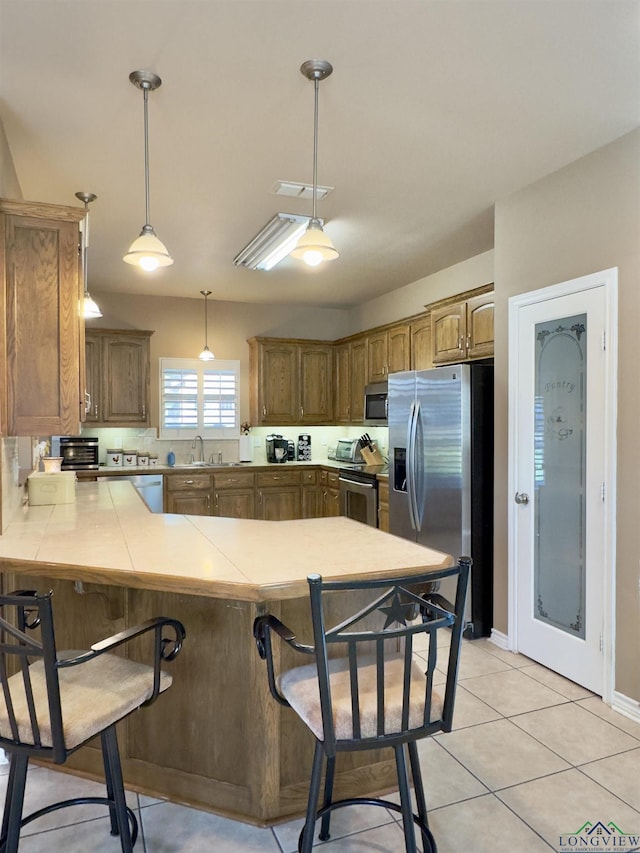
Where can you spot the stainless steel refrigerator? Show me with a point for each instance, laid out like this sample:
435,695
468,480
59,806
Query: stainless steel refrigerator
441,471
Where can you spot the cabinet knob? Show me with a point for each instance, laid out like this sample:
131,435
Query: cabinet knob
188,482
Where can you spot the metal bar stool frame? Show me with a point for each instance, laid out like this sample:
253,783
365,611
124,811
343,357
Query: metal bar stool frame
23,726
399,599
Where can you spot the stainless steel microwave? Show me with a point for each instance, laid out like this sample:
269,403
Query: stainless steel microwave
376,404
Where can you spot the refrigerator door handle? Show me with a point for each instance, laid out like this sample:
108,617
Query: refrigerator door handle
411,464
414,468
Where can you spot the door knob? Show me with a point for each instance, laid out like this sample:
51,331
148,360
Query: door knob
521,498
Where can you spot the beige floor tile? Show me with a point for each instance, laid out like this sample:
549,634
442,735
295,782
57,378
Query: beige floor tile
562,804
470,711
596,706
343,822
445,780
500,754
619,774
475,661
574,733
512,658
511,692
482,825
46,786
93,836
383,839
169,828
556,682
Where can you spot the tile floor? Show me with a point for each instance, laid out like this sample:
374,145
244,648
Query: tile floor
532,757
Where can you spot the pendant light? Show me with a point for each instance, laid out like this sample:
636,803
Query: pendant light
206,354
90,309
147,251
314,246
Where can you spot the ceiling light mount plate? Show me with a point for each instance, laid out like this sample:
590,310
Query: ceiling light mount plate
316,69
87,198
145,80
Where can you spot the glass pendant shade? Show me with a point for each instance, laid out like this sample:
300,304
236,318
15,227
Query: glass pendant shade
206,354
314,246
148,252
90,309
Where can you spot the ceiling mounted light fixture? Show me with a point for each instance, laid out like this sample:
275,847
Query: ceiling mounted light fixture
206,354
147,251
273,242
314,246
90,309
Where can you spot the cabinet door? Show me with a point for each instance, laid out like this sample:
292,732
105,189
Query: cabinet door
281,504
358,355
315,384
188,503
331,503
43,335
421,356
480,337
398,349
278,378
383,505
93,370
125,379
378,357
342,396
448,329
234,503
312,501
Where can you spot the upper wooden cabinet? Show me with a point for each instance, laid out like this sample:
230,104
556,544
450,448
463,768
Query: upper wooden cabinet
421,355
117,376
291,382
463,330
388,352
350,375
41,330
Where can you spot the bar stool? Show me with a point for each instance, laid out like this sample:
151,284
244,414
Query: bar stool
54,702
363,688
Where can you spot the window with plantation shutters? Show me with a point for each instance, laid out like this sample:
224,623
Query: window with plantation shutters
199,398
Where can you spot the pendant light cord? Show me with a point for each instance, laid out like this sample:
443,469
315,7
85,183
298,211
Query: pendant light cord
145,91
316,84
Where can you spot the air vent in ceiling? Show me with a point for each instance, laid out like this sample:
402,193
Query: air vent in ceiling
291,189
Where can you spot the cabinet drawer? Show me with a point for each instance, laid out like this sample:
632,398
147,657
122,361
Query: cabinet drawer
188,482
331,479
234,480
282,478
309,478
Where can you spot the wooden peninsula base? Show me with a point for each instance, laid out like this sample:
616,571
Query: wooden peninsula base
216,740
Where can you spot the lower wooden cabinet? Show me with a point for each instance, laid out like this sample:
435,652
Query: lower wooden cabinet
383,505
330,493
279,494
234,494
188,494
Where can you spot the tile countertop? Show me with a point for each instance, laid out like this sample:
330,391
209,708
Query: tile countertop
210,468
109,536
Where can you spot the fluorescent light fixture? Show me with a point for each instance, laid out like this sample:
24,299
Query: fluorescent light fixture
273,242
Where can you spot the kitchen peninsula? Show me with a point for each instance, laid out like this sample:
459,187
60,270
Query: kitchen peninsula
217,740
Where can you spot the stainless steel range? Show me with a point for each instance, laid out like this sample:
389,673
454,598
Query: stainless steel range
359,492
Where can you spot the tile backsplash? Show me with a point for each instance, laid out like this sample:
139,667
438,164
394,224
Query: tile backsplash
322,440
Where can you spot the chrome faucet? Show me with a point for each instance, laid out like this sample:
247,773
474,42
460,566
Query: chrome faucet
193,446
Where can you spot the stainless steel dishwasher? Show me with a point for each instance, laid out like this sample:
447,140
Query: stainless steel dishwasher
148,486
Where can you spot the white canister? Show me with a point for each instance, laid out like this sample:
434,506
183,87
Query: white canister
143,460
114,457
52,464
130,458
153,460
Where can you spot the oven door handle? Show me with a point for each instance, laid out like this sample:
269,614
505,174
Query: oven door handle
355,485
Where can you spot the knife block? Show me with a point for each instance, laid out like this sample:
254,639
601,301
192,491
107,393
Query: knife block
371,457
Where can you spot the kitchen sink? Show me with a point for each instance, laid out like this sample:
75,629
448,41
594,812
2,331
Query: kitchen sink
208,465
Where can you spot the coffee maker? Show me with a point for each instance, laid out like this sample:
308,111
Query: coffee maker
277,448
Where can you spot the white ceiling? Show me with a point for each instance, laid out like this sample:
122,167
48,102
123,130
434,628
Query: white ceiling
435,110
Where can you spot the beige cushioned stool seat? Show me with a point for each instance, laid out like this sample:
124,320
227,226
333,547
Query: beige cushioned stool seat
299,686
92,696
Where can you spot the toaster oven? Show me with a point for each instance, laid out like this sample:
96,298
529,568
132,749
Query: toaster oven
348,450
78,452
